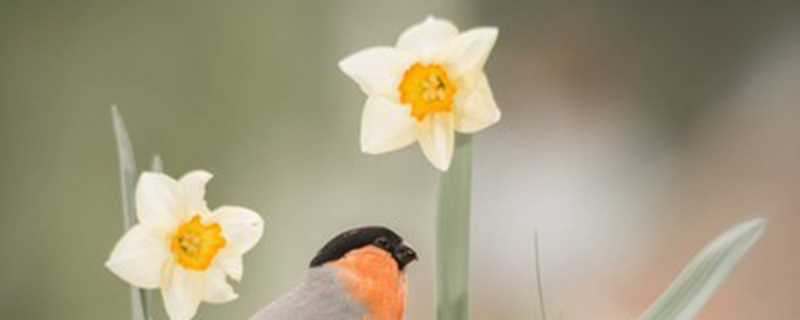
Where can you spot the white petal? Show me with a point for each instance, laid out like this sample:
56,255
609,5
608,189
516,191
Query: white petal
476,109
139,257
194,188
436,137
427,38
386,126
159,201
217,290
241,227
231,263
182,293
466,54
378,71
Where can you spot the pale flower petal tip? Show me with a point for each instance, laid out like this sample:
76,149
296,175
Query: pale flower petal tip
467,53
427,37
437,139
241,227
138,257
441,165
231,264
197,175
376,70
348,64
217,290
478,109
433,19
193,185
385,127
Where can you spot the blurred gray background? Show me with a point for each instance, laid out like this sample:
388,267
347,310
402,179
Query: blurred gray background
633,133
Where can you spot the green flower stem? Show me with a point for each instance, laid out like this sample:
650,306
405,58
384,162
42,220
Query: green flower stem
455,188
140,298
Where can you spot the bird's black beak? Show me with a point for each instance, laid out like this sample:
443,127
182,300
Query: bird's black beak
404,255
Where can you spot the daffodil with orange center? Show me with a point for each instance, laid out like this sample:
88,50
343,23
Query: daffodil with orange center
182,247
426,88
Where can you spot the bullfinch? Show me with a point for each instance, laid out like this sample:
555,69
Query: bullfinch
357,275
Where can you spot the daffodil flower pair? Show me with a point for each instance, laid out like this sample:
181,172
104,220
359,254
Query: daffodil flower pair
182,247
426,88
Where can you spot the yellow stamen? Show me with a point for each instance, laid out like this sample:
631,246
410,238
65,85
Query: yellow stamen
195,244
427,88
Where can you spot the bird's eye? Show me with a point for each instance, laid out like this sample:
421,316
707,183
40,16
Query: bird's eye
382,242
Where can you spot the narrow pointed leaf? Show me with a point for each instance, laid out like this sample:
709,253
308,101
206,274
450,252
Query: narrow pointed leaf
455,188
539,284
158,164
127,168
697,283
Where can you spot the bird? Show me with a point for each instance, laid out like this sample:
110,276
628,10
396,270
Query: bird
357,275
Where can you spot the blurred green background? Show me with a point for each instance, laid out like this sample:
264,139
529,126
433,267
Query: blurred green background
633,133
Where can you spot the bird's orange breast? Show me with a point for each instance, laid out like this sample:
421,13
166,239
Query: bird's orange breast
373,278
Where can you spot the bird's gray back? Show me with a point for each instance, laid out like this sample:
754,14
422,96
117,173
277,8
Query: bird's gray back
321,296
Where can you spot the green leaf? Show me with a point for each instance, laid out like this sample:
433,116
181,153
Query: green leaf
701,278
539,284
127,168
452,249
158,164
128,175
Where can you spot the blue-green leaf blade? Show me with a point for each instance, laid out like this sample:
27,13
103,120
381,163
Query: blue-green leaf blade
158,164
127,168
128,174
700,279
539,283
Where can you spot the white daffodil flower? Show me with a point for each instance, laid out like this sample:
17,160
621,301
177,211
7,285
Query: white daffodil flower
425,88
182,247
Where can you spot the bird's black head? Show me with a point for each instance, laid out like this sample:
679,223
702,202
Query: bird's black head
380,237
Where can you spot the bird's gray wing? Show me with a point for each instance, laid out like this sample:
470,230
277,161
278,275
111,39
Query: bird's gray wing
321,296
